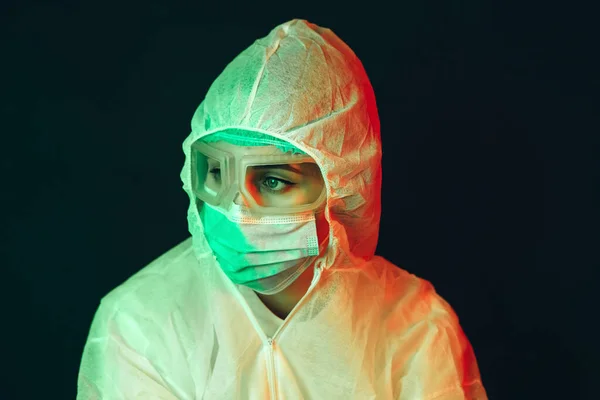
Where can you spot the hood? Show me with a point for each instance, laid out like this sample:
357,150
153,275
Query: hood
303,84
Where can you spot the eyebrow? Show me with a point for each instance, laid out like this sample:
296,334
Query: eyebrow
287,167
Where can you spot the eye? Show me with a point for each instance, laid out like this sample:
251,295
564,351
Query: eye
273,184
216,173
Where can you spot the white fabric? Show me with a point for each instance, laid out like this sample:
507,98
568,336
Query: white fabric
366,329
264,256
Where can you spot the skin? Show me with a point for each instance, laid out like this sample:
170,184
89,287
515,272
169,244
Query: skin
294,184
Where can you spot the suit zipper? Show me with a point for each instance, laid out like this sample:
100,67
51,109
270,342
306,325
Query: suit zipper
271,368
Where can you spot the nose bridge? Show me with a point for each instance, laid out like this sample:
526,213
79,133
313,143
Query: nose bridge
232,188
239,199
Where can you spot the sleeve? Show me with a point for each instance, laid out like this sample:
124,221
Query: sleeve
111,368
441,365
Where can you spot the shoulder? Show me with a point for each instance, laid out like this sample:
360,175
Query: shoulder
407,296
412,310
161,299
157,282
139,324
428,348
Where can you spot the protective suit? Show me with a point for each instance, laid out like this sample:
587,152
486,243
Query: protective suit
365,329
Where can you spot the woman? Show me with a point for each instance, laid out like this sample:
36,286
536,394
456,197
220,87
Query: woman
278,294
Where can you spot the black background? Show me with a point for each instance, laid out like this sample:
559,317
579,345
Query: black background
489,170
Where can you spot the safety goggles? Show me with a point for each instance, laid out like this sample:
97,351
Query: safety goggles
268,181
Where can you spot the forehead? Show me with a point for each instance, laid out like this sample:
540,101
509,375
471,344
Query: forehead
249,150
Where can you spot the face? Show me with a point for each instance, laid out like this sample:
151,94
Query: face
281,185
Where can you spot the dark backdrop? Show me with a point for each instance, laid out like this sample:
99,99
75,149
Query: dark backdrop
486,116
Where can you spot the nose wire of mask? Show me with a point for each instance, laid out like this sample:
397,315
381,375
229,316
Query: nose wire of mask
264,253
